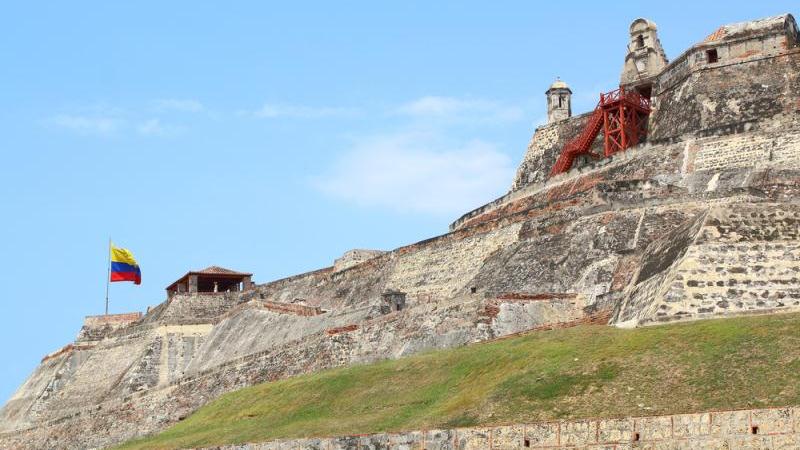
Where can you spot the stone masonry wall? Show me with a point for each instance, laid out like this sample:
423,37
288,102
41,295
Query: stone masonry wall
724,98
744,258
772,428
544,148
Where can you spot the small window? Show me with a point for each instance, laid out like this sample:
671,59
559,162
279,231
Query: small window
635,437
473,289
754,429
527,442
639,41
560,101
711,56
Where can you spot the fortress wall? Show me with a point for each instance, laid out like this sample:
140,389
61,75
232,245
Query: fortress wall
93,379
769,428
354,257
431,269
694,97
443,269
723,97
96,328
544,148
200,307
253,331
578,258
15,411
644,175
758,149
118,417
744,259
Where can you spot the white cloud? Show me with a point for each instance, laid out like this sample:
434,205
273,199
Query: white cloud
273,111
181,105
94,125
418,172
154,127
460,110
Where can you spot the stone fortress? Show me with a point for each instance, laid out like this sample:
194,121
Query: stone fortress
686,210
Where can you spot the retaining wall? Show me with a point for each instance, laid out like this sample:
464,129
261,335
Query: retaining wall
771,428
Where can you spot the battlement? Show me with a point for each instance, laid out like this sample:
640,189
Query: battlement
96,328
111,319
355,257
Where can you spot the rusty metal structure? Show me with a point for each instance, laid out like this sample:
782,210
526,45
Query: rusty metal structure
622,115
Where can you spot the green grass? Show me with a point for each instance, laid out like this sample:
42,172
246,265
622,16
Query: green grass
586,371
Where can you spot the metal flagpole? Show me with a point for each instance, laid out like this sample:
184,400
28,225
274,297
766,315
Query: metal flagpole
108,275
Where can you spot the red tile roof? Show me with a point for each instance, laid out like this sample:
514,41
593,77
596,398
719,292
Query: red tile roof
211,270
217,270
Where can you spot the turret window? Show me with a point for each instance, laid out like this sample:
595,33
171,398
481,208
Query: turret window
639,41
711,56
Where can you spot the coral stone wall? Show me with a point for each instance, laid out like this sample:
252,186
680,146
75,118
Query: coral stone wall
776,428
742,258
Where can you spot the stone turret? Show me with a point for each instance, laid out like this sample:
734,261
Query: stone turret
645,56
559,101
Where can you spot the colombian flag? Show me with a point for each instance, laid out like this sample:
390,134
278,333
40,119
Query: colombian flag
123,266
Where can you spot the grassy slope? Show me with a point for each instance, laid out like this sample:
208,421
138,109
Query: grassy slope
585,371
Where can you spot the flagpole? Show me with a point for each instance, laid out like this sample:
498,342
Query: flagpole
108,275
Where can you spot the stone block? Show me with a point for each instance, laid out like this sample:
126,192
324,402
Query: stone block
580,432
439,439
772,421
614,431
308,444
729,423
785,442
374,442
653,428
544,434
695,443
344,443
508,437
751,442
691,425
473,438
412,440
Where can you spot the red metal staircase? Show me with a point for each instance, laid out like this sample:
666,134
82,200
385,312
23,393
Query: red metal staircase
621,114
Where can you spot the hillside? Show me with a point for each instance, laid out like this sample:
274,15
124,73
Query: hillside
585,371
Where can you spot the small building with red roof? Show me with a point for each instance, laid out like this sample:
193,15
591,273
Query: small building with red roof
211,280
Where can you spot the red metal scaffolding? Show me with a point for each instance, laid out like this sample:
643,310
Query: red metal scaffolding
622,115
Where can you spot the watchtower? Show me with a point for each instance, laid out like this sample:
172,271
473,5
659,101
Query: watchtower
645,57
559,101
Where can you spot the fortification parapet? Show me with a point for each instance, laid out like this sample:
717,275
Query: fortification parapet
96,328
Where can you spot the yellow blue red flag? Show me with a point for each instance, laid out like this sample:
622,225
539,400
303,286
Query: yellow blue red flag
123,266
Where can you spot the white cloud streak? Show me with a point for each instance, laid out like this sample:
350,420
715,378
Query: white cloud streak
275,111
155,128
87,125
180,105
418,172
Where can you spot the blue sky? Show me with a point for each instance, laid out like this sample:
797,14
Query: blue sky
270,138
